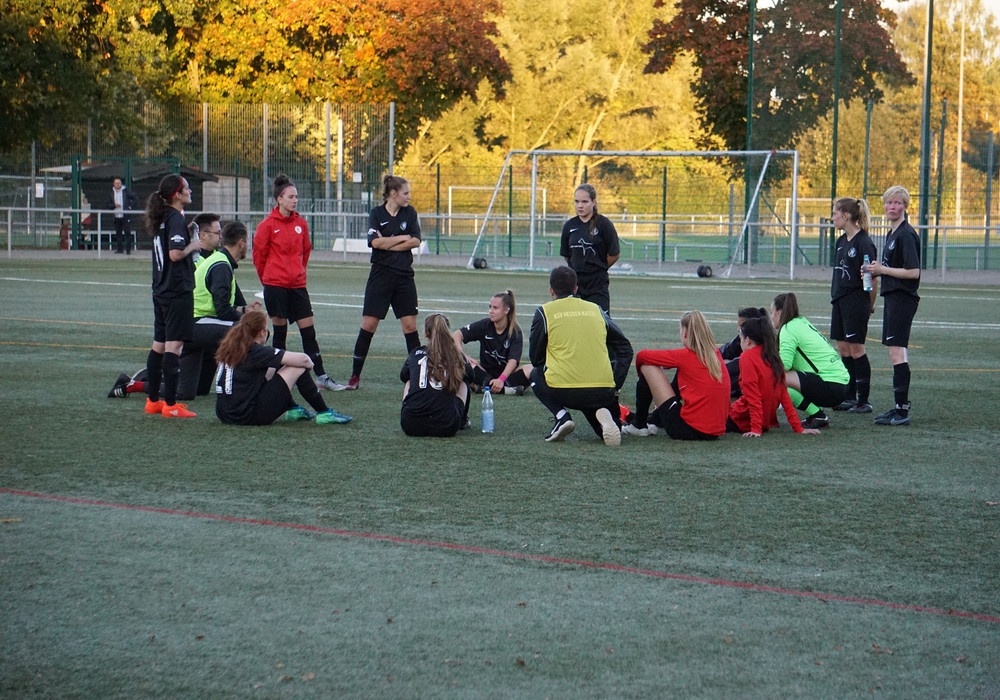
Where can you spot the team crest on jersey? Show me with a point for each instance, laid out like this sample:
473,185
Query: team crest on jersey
402,226
891,246
298,230
852,253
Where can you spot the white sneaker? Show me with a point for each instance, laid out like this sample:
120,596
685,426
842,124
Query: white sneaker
635,430
611,432
325,382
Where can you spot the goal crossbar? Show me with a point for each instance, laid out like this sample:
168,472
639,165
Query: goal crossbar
536,154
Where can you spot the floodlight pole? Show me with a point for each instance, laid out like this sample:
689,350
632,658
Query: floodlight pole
836,100
925,137
749,144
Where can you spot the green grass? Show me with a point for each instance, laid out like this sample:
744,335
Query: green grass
101,601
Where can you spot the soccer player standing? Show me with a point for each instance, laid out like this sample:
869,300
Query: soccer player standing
900,273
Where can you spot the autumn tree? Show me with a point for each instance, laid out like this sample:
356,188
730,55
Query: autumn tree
577,84
793,71
66,60
423,54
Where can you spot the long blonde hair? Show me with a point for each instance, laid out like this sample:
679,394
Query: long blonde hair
445,364
702,342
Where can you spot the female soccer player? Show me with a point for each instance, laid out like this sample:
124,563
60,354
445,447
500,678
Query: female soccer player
731,351
253,383
281,250
173,293
393,233
435,397
700,410
590,246
814,373
762,380
501,343
900,273
852,305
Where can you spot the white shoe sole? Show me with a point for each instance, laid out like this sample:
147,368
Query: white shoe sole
612,433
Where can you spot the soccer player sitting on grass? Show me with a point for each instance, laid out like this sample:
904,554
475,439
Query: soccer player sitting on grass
580,360
762,379
698,410
253,383
500,345
435,397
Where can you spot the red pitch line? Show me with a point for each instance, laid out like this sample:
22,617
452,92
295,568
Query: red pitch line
547,559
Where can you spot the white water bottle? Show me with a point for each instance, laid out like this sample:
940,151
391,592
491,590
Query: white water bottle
866,277
487,411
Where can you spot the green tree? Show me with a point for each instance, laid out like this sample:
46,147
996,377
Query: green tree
577,84
423,54
793,72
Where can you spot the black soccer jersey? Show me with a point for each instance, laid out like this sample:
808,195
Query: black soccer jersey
236,388
382,225
172,279
902,250
848,259
588,254
495,349
426,398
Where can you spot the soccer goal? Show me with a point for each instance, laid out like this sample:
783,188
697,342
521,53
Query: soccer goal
716,207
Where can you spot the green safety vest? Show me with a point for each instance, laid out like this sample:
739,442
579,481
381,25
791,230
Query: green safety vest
204,305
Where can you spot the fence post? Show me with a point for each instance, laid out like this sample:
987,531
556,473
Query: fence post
940,171
663,216
990,164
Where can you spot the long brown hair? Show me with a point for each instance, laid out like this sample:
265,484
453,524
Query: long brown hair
445,364
506,298
788,305
234,347
390,184
762,333
702,342
595,215
856,209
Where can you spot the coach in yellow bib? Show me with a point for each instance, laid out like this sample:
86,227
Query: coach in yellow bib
580,359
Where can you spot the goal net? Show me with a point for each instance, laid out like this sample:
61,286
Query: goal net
723,208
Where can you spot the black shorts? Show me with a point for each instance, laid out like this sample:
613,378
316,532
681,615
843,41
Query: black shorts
386,288
822,393
849,318
444,423
290,304
668,417
898,311
273,399
173,318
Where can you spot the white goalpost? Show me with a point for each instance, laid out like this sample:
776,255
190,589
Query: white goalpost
740,223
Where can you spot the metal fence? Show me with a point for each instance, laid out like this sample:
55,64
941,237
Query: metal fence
337,155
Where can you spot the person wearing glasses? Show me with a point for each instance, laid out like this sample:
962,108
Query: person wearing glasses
253,382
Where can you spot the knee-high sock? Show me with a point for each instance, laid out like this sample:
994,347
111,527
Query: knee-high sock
863,378
901,384
412,341
851,364
643,399
307,387
171,375
310,346
361,350
154,372
280,337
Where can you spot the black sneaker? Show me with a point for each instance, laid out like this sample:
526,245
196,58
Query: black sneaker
815,421
121,384
846,405
861,408
466,424
563,427
897,416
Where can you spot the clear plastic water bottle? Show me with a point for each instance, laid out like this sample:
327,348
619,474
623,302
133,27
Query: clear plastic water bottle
487,411
866,277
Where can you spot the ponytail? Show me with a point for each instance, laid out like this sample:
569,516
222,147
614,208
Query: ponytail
506,298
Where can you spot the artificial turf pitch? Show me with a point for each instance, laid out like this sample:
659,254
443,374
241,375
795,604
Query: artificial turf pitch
148,557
